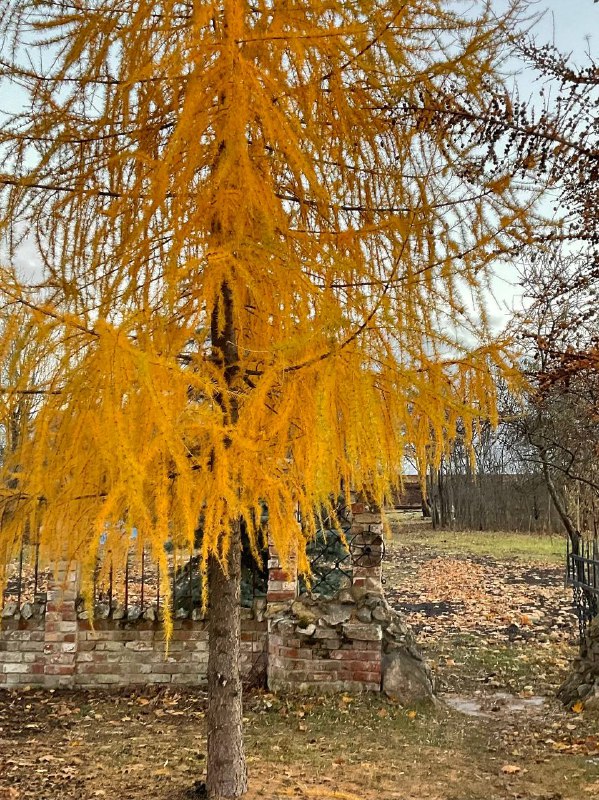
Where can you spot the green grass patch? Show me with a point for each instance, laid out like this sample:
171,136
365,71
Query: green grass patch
497,544
355,729
465,662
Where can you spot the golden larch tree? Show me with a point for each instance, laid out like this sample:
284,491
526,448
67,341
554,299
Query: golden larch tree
255,265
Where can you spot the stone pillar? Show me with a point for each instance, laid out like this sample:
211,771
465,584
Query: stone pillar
582,682
366,542
61,630
282,584
281,592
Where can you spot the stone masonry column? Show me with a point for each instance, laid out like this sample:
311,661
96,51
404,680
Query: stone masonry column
366,548
280,594
60,636
282,584
366,538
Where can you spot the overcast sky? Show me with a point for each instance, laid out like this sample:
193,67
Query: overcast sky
573,25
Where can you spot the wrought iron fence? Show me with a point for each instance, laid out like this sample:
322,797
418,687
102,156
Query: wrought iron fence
26,581
133,584
138,584
582,574
329,556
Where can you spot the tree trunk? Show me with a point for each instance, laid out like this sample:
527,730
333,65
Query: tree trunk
432,494
227,772
426,508
558,503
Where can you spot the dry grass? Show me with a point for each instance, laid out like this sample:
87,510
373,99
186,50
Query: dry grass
151,746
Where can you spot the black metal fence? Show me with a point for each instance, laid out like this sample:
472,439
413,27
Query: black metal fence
138,584
329,555
583,576
26,581
132,584
330,565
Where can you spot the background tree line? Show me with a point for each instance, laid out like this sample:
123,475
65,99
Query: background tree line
539,469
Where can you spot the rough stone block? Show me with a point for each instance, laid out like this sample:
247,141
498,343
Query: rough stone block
368,633
10,609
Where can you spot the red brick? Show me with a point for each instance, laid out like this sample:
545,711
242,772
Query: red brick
367,677
183,635
280,596
290,652
61,606
58,669
254,625
279,574
57,637
361,648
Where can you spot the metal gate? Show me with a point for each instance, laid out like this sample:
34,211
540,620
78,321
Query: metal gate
583,576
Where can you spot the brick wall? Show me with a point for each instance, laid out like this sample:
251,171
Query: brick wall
61,628
52,644
35,652
55,645
22,657
323,657
325,646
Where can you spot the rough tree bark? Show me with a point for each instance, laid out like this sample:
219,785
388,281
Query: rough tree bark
558,503
226,765
227,772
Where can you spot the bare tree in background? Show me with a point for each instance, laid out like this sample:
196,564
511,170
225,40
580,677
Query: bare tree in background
561,332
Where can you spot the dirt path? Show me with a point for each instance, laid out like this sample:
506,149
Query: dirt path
513,742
